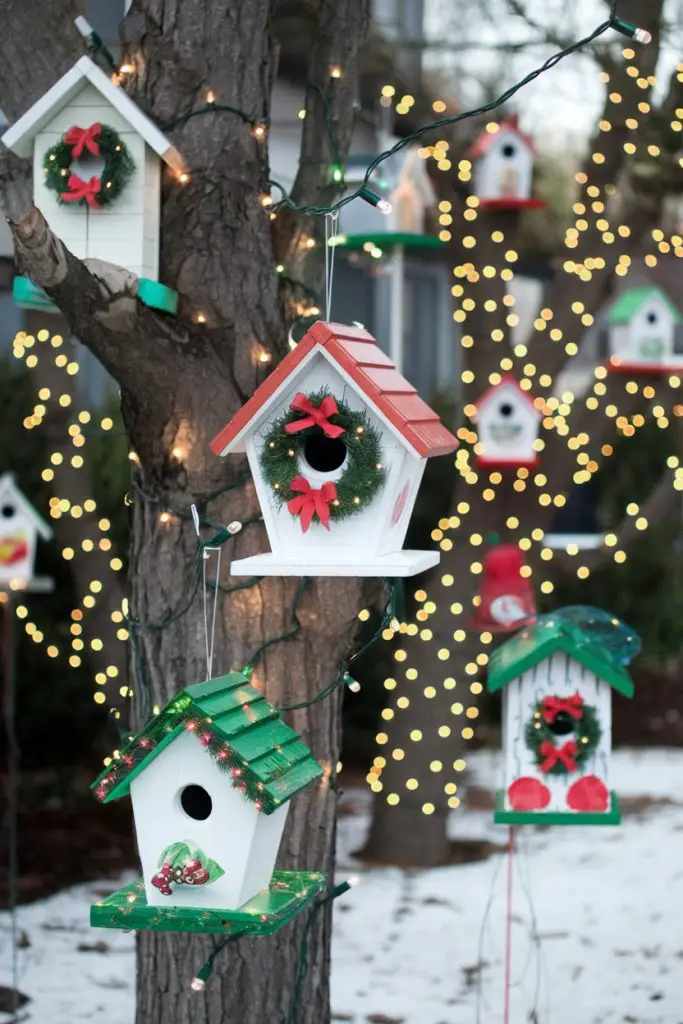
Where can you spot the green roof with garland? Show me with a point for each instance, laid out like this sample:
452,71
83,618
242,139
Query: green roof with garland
629,302
243,733
542,639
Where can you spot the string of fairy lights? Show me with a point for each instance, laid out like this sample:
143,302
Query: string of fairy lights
557,414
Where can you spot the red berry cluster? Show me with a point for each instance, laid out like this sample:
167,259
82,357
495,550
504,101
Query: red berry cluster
189,873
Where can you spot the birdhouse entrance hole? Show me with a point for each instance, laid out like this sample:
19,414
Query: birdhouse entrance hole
652,318
508,150
324,454
562,724
506,409
196,802
7,511
87,166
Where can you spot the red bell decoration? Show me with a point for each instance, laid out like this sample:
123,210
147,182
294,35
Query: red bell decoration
507,599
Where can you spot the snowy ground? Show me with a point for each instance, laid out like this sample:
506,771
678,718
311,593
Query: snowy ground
607,904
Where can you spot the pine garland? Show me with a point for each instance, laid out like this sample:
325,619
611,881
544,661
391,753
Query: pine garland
586,734
363,475
116,173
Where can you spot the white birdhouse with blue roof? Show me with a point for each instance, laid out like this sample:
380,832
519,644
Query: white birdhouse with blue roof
641,326
97,177
210,779
20,528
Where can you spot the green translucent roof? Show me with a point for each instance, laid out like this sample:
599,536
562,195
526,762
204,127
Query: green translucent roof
539,641
629,302
240,729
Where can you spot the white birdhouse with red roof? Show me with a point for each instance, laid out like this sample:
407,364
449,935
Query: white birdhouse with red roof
503,159
337,441
20,527
507,426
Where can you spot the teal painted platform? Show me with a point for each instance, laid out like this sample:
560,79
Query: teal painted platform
27,295
288,894
501,816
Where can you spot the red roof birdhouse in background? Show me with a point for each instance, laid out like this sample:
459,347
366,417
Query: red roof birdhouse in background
503,159
337,441
507,427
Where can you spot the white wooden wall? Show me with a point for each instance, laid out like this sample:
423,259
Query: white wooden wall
125,233
368,531
491,169
639,331
18,524
557,676
490,419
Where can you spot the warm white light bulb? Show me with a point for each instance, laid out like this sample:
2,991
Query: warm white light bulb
197,985
353,880
641,35
384,206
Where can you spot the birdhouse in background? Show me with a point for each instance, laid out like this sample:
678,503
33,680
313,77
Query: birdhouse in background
337,441
413,197
20,527
210,779
503,160
641,331
403,180
557,676
506,598
507,427
97,177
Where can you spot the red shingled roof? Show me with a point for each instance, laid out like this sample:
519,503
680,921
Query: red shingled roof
483,142
357,353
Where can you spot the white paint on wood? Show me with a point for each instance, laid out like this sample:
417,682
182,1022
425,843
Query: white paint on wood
507,425
648,337
505,169
20,526
557,676
337,562
241,839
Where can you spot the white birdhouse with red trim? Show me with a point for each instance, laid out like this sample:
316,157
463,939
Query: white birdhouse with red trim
337,441
507,424
20,527
503,159
97,177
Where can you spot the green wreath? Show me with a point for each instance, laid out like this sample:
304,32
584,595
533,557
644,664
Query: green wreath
98,140
568,720
313,421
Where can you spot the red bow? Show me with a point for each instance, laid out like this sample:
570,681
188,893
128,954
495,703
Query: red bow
314,417
79,189
82,139
311,502
552,755
553,705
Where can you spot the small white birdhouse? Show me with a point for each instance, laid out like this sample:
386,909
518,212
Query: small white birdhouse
407,187
337,441
556,680
210,779
20,526
507,427
412,198
641,326
97,176
503,161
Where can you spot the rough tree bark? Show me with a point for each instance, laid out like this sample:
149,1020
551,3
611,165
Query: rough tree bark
180,381
413,831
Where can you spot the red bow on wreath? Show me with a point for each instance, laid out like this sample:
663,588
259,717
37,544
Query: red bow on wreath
314,417
311,502
553,705
82,139
79,189
553,755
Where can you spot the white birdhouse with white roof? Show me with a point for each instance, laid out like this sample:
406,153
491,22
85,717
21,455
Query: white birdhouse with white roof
641,326
97,177
20,527
507,424
503,159
337,441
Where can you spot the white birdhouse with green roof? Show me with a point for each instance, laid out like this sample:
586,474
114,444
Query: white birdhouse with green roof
210,779
556,677
641,326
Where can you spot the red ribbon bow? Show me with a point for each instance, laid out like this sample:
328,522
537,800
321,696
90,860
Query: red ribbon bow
311,502
314,417
79,189
551,754
553,705
82,139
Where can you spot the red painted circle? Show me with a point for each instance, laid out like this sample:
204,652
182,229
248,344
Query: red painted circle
527,794
400,505
588,793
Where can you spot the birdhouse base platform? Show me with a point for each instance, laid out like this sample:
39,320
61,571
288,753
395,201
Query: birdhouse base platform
502,816
28,295
339,562
288,894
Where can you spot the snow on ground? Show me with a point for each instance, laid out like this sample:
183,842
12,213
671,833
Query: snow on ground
407,944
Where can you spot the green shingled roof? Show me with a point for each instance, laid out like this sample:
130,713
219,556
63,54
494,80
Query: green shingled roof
629,302
539,641
240,729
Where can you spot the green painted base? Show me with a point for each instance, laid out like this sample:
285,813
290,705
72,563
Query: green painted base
386,240
289,892
157,296
28,295
501,816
